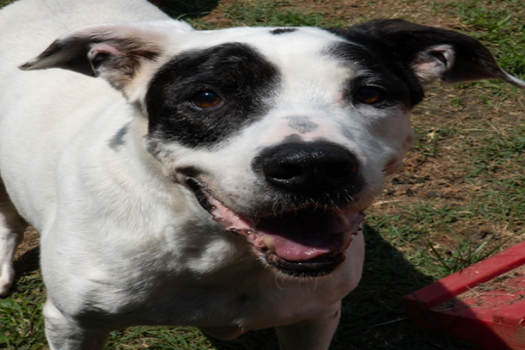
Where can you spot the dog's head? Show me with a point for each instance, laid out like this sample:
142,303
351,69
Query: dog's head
284,135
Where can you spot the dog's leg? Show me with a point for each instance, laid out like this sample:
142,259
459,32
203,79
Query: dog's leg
12,228
64,334
310,334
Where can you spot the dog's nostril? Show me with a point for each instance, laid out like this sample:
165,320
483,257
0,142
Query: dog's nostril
309,167
283,171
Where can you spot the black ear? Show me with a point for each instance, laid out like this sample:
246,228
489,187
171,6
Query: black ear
429,52
113,51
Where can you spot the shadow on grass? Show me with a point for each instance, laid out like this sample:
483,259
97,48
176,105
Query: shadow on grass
181,9
373,316
28,262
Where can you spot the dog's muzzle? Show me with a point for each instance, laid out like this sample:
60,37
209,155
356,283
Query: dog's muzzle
309,235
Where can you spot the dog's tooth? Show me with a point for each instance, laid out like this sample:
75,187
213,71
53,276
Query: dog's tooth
268,242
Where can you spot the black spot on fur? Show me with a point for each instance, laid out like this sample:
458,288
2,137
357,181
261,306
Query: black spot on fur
397,44
118,139
301,124
243,299
282,31
242,78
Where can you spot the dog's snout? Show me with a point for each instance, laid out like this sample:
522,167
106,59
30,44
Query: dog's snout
309,167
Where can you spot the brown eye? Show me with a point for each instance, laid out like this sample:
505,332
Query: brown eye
369,94
206,99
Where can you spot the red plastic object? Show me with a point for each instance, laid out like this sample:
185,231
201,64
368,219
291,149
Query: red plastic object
483,304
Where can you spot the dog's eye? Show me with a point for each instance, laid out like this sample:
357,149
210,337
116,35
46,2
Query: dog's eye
369,94
206,99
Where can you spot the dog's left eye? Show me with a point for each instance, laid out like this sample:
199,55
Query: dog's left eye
369,94
206,99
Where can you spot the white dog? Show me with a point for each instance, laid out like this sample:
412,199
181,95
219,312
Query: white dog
215,179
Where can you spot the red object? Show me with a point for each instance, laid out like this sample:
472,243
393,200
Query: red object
483,304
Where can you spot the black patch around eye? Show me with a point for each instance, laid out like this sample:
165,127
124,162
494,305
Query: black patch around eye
379,68
282,31
372,75
376,91
237,73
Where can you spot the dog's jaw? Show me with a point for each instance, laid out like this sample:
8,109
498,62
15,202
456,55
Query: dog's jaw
300,242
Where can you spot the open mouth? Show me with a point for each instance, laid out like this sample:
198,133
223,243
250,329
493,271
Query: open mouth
303,242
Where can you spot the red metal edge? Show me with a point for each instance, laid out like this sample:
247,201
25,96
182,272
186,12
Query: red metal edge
457,283
504,330
512,315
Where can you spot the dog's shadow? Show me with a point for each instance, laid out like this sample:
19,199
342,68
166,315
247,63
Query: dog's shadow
28,262
373,316
186,8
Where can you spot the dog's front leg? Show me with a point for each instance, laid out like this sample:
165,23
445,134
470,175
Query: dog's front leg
315,334
64,334
12,228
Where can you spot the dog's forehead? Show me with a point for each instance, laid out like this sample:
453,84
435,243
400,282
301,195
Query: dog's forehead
268,38
306,58
281,46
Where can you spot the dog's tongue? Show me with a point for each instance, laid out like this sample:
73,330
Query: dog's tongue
305,235
293,236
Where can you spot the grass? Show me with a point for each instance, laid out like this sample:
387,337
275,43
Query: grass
271,14
458,199
499,24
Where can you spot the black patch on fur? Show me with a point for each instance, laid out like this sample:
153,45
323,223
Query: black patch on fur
282,31
398,44
236,72
243,299
374,69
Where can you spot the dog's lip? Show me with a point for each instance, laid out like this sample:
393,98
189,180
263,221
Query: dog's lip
294,241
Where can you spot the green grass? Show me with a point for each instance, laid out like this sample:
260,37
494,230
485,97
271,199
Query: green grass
272,14
409,244
499,25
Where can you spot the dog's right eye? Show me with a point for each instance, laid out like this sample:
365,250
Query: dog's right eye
206,100
369,94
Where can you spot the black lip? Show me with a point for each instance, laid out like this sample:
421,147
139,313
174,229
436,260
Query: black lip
317,267
199,194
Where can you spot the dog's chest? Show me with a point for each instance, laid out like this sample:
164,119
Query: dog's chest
245,301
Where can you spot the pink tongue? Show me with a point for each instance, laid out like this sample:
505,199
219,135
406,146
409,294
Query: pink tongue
304,236
295,236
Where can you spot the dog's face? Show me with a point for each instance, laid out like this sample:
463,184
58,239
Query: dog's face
284,135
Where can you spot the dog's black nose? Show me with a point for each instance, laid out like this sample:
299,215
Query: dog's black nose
308,167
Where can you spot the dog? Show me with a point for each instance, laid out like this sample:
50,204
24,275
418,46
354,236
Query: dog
214,179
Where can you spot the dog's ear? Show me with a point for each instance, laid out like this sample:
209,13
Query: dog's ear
115,52
429,52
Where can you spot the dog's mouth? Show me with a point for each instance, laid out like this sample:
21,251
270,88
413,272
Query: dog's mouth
303,242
